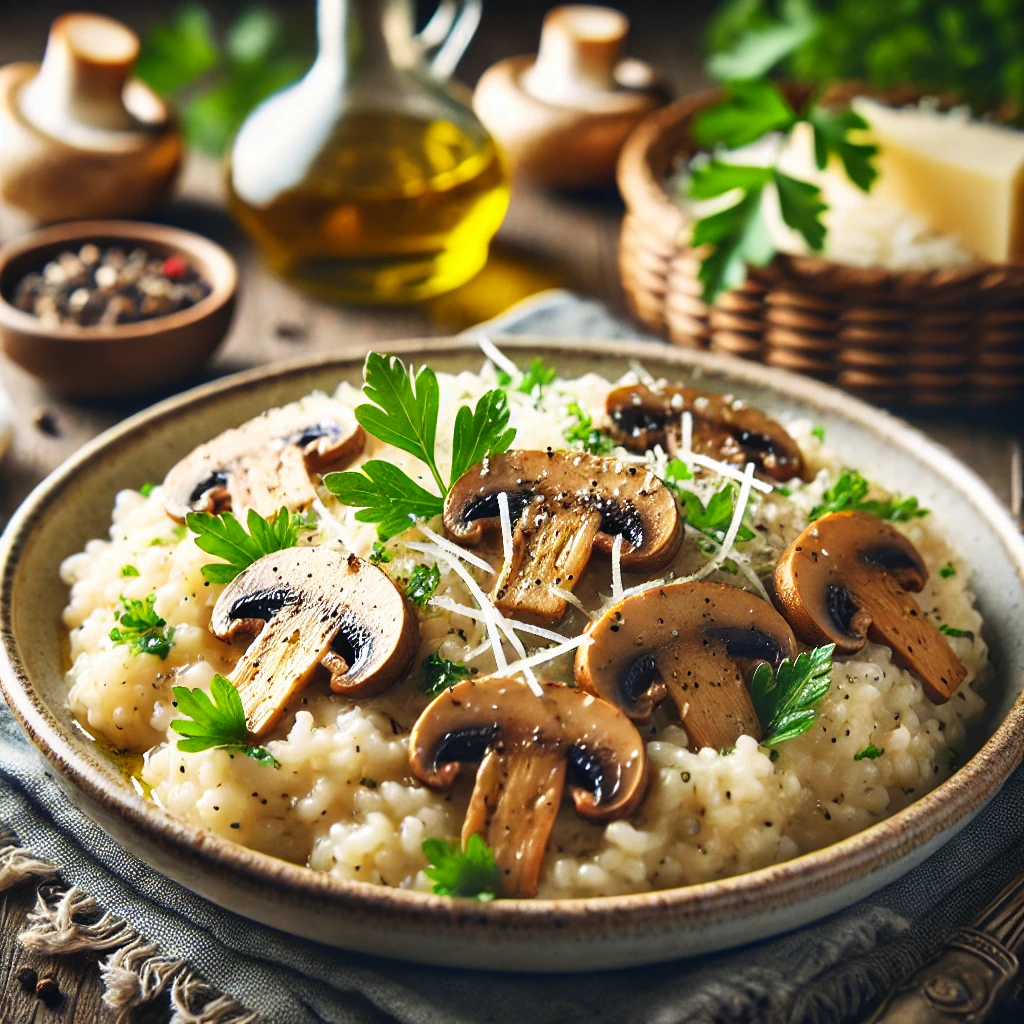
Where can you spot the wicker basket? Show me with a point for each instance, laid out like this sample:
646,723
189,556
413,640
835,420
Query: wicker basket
941,337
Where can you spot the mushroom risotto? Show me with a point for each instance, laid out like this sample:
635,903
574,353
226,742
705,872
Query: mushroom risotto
507,634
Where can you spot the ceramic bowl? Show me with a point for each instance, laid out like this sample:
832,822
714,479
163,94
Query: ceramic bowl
74,503
124,359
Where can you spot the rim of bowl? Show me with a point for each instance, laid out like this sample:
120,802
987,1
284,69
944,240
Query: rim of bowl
768,888
218,267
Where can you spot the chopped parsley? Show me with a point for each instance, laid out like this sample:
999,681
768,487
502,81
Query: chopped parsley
216,720
423,582
951,631
869,753
368,783
147,489
129,570
379,553
677,470
947,571
470,873
402,411
439,674
142,629
583,434
849,494
537,377
819,433
787,701
224,536
713,521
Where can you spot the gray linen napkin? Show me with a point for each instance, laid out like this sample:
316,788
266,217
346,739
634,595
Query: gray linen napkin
830,972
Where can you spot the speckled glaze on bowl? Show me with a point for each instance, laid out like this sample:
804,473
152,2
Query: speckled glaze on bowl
74,504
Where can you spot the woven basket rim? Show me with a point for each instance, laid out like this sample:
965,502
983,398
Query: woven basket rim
643,168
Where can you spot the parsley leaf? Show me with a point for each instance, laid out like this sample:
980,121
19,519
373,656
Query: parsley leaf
831,135
583,434
947,571
481,432
677,470
385,496
217,722
404,409
422,583
470,873
849,493
713,521
147,489
129,570
787,703
870,752
537,377
759,50
819,433
439,674
224,536
751,108
801,207
142,629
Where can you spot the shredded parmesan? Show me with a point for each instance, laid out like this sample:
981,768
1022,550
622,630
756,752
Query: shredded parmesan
570,597
498,357
734,527
642,373
453,549
617,568
477,651
725,469
506,526
687,444
583,640
450,605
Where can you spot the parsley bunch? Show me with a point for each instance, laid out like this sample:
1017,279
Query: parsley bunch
787,701
404,413
142,629
224,536
215,720
849,494
471,873
738,235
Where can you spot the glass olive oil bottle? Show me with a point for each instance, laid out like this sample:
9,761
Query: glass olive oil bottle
369,181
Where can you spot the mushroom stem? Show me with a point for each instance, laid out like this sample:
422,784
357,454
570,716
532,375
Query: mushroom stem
546,548
513,808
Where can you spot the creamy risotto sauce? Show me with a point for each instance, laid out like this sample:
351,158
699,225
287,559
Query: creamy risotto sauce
344,800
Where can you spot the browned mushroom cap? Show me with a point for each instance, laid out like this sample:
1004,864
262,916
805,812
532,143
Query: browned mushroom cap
693,642
266,462
723,427
562,504
845,580
529,748
312,606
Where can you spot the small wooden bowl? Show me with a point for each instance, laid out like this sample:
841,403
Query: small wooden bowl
125,359
946,337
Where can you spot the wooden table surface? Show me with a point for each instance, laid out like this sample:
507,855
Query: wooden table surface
546,240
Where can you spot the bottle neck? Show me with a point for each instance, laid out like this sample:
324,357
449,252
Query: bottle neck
366,40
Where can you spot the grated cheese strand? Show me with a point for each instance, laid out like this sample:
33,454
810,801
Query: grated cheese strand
506,526
454,549
489,611
584,639
570,597
451,605
687,443
498,357
657,460
742,563
617,568
734,528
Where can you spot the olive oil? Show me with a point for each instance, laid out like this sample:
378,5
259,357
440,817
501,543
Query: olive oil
392,209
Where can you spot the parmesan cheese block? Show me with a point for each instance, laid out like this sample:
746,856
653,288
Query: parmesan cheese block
964,177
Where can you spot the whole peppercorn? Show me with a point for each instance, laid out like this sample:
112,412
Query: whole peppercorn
27,978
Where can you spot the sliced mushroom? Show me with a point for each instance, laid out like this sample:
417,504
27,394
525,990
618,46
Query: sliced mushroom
694,642
562,504
845,580
529,748
311,606
266,462
724,428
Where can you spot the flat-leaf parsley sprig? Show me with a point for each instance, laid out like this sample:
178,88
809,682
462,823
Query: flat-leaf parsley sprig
738,235
404,413
470,873
224,536
216,720
142,629
787,701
